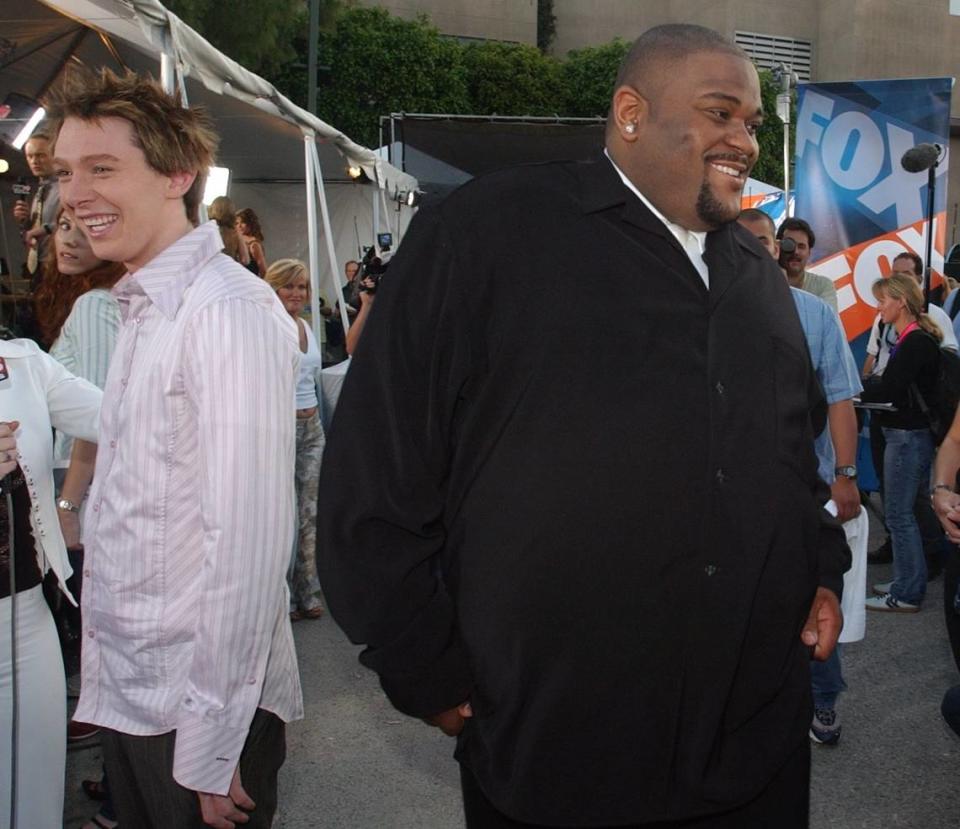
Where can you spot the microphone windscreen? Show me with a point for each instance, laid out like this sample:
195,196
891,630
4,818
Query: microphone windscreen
920,158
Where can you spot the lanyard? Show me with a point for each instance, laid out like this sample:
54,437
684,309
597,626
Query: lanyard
911,327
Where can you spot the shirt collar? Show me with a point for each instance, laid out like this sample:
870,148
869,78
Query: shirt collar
166,277
678,231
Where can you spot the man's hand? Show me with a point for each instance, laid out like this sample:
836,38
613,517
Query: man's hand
451,721
846,496
8,447
947,507
21,211
226,811
823,624
32,237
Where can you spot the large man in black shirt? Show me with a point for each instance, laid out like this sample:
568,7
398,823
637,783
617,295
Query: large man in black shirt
599,560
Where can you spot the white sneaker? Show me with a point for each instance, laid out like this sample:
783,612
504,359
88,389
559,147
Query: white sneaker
888,604
882,588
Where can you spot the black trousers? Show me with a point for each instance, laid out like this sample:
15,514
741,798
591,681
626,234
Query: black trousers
146,796
784,804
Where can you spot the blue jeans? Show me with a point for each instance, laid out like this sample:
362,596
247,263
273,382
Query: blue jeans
906,469
827,680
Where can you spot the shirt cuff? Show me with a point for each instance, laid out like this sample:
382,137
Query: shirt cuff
433,688
206,754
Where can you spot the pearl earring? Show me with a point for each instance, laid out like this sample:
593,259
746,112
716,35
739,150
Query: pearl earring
630,128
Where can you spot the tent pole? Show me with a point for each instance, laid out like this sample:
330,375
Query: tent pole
168,72
328,232
313,253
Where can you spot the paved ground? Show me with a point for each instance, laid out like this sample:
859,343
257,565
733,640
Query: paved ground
354,763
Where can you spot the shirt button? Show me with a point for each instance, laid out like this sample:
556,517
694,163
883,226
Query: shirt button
720,388
710,569
251,682
722,477
91,634
113,444
86,574
96,508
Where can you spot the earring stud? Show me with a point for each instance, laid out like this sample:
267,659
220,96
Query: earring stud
630,128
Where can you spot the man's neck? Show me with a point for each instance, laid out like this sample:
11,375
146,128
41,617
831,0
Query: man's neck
796,281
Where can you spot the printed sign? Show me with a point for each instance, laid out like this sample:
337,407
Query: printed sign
862,205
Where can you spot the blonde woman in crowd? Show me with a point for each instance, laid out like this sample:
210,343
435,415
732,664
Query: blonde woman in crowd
288,277
912,368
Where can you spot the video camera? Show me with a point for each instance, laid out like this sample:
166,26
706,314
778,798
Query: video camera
372,268
787,249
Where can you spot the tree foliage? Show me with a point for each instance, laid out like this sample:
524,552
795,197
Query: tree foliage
377,64
546,25
511,79
587,77
256,34
769,167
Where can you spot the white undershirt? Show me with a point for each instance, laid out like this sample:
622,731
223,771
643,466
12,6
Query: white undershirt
693,242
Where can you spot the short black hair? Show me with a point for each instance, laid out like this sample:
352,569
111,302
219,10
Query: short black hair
754,214
793,223
917,261
673,42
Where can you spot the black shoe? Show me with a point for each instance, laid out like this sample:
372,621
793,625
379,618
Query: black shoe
883,554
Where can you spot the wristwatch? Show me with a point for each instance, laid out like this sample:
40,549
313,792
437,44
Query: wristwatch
67,506
846,472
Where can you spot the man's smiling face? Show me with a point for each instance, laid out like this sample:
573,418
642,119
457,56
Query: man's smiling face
128,210
696,138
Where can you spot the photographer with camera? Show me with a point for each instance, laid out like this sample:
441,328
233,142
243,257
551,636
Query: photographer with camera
373,268
795,264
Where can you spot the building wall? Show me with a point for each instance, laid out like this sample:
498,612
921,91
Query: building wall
510,20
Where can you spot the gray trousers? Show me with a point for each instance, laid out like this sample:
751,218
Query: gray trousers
146,796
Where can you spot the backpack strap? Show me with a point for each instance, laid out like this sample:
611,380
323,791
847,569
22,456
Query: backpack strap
955,307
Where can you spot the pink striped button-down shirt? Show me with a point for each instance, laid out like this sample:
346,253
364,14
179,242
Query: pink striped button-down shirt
190,519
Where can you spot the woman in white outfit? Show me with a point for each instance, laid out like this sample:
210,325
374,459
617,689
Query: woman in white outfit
288,277
36,394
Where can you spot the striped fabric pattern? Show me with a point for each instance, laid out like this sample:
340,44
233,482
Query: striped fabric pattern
191,515
84,348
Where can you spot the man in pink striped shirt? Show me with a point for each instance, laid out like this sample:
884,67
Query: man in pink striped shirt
188,657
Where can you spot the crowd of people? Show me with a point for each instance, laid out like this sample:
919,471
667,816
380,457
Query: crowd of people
505,526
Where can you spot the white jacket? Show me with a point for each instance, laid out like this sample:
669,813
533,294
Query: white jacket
42,395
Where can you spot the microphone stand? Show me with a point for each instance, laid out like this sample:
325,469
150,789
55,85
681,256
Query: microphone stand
927,271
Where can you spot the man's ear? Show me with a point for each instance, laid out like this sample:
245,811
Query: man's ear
179,184
630,111
776,249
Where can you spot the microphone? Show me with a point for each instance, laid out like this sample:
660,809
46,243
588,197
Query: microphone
920,158
22,190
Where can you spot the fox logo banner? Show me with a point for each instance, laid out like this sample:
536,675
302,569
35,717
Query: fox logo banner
863,206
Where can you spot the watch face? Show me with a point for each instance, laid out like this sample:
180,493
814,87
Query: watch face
847,471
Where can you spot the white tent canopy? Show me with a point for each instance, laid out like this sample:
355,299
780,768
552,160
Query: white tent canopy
273,148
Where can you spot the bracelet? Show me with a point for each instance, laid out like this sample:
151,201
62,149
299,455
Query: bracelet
935,487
